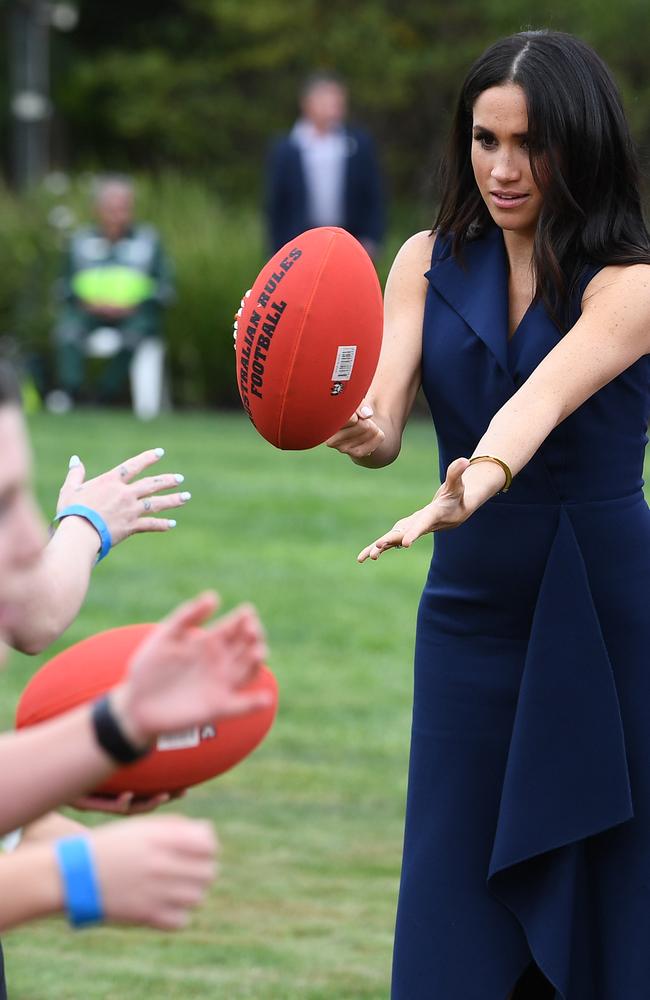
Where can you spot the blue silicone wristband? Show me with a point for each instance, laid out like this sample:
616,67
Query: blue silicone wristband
97,521
83,900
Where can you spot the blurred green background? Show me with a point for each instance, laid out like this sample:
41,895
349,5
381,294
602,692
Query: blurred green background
186,95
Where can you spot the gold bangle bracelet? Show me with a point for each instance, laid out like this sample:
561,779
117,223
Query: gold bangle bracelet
506,470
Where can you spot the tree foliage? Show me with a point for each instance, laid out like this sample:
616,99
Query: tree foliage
201,85
186,95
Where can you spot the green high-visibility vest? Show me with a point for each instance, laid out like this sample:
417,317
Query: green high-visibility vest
113,285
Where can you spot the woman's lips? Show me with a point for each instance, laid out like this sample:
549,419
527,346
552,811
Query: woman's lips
503,199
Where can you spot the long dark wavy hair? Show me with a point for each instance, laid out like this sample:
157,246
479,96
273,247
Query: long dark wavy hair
582,159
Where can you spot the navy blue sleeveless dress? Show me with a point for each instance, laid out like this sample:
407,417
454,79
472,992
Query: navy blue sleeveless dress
528,814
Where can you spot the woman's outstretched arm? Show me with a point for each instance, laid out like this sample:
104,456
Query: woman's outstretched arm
612,333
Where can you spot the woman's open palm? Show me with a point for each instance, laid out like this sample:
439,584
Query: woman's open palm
446,510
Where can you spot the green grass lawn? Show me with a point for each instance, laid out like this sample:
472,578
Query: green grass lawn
311,824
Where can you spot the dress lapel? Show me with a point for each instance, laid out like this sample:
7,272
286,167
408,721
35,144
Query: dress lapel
477,289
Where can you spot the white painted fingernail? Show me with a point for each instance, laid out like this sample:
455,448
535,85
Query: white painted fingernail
365,411
159,452
179,477
74,462
171,523
186,496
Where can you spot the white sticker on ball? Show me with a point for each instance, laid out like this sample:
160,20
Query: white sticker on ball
179,741
344,364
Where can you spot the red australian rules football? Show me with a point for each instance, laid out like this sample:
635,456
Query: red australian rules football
308,338
91,667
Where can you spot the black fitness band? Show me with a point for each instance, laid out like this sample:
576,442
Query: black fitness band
110,736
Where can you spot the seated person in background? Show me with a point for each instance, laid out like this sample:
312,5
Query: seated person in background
117,276
324,172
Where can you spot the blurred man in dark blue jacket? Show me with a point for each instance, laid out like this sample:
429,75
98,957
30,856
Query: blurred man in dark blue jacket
324,172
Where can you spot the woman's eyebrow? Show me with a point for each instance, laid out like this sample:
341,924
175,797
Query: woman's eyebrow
483,128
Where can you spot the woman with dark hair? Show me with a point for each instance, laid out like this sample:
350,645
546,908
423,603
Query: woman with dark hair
527,843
